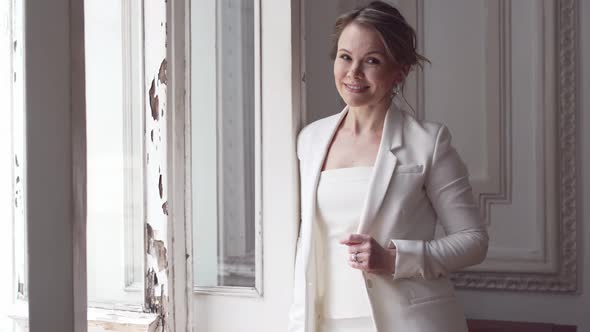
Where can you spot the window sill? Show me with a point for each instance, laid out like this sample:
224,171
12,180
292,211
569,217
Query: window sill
99,320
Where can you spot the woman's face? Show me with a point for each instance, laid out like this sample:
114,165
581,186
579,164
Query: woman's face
363,73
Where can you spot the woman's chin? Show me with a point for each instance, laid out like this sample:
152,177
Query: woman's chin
355,102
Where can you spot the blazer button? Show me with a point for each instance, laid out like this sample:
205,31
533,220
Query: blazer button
369,283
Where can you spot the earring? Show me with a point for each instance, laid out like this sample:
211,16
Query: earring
396,91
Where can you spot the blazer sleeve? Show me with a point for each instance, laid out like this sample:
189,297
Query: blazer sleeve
466,241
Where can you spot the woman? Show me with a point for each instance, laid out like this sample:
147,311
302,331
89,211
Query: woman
374,182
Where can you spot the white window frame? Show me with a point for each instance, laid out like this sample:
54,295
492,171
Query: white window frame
56,133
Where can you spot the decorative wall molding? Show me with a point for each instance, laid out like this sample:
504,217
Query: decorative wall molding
551,265
503,194
496,187
564,278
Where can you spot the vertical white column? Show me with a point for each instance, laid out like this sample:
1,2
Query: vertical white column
180,276
7,285
55,164
156,160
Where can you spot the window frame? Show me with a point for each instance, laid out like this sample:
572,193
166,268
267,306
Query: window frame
62,138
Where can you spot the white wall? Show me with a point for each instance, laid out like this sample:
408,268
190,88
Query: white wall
565,309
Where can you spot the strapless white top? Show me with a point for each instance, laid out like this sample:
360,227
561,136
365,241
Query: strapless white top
344,303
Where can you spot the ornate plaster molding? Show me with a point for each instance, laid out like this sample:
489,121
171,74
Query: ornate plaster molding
565,277
504,193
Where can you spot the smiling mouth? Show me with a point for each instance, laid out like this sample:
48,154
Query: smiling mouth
355,87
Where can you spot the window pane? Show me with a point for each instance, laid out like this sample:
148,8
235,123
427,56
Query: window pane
223,158
114,147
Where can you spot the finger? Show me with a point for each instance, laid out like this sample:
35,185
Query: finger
356,265
362,257
354,248
352,239
358,257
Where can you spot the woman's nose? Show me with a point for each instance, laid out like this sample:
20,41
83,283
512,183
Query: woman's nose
355,70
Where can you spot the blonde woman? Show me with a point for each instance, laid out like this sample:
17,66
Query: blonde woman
374,183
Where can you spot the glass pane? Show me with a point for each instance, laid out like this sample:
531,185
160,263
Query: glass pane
114,147
223,145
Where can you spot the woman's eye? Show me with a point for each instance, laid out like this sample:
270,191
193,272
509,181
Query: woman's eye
344,57
373,61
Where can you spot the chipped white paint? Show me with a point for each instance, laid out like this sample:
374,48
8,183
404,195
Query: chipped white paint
156,181
18,143
8,285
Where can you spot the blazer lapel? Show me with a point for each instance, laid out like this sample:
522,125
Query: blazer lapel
313,175
391,140
323,146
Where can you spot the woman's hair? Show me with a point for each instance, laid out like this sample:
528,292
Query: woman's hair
398,37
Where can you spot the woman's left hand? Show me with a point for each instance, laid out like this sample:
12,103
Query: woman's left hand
364,253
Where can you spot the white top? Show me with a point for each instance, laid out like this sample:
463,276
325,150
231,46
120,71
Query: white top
340,199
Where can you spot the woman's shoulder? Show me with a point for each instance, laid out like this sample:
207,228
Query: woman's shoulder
318,127
312,132
419,129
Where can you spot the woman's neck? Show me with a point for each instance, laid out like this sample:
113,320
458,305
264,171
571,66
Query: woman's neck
361,120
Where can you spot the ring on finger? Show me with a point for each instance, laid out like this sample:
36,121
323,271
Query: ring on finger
354,257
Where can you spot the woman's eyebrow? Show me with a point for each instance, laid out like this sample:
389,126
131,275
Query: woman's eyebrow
374,52
370,52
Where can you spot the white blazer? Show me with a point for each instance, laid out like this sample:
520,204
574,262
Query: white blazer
418,179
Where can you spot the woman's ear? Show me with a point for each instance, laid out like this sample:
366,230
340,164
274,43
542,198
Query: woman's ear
403,73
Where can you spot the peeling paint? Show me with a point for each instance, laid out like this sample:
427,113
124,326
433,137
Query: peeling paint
160,253
19,224
151,302
156,250
165,208
154,101
155,84
160,186
20,287
162,72
160,324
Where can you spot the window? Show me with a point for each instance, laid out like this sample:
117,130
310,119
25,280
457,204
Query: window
115,165
225,148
